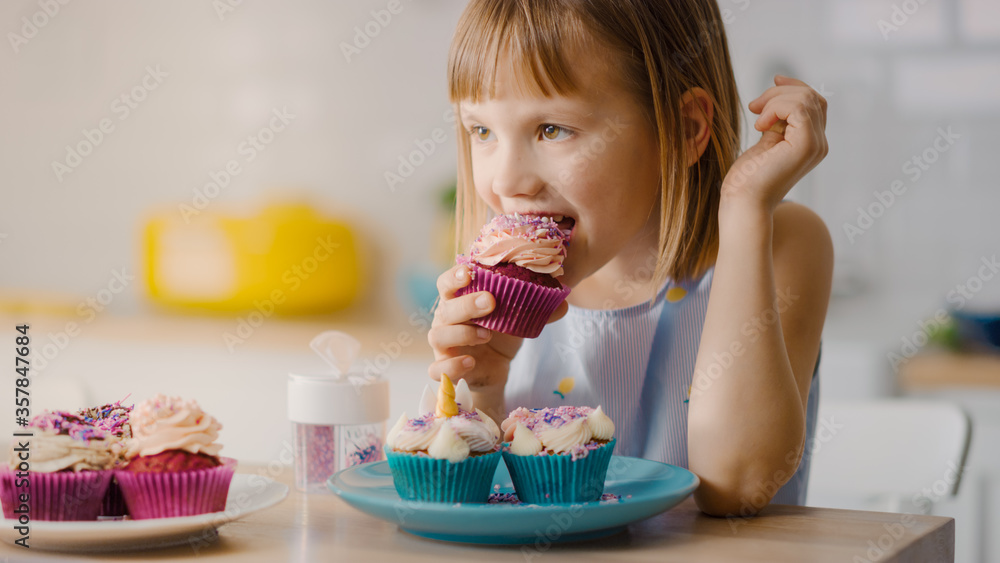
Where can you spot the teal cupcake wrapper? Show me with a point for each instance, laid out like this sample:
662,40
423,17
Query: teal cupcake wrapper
551,479
439,480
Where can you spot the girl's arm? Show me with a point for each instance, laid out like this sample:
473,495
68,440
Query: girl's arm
746,420
464,351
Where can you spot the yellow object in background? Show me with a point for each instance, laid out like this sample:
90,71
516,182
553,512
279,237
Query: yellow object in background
285,260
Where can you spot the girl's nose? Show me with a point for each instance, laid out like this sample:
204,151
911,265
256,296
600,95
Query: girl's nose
516,174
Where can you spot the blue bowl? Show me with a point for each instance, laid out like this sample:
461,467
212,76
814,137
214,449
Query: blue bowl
978,330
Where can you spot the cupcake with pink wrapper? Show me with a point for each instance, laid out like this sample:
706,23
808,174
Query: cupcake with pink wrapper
448,453
558,455
517,258
174,468
67,473
338,418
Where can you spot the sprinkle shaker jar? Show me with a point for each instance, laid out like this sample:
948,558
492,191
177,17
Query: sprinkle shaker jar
337,421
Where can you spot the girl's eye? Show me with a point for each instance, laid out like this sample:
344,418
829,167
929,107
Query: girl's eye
554,132
483,133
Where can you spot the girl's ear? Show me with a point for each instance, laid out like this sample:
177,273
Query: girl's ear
696,114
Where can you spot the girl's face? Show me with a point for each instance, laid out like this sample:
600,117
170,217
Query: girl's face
590,157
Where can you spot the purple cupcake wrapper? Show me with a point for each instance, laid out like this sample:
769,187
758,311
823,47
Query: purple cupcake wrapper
59,496
113,504
522,307
177,493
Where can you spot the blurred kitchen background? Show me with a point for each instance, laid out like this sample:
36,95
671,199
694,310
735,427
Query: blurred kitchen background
167,166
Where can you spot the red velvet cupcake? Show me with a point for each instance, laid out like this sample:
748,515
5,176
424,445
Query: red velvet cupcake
517,258
174,468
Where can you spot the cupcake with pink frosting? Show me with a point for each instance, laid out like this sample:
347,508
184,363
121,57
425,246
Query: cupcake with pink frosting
60,472
517,258
174,468
558,455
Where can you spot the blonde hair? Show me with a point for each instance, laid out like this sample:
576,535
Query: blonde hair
664,48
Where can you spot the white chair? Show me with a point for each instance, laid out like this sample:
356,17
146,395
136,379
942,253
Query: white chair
894,455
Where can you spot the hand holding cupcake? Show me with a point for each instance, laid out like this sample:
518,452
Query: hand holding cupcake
517,258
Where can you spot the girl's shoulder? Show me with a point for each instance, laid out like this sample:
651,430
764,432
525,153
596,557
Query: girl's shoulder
801,239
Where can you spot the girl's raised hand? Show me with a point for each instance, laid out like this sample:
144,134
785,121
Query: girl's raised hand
792,117
465,351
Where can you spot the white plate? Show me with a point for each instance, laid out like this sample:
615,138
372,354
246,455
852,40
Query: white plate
247,494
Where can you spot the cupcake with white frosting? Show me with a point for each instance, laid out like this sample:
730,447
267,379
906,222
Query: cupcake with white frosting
447,454
558,455
174,468
61,471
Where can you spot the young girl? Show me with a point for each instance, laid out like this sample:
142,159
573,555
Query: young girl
698,296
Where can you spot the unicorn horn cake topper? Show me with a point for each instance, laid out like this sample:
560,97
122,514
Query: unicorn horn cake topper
446,406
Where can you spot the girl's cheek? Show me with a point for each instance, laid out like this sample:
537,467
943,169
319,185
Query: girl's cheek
573,169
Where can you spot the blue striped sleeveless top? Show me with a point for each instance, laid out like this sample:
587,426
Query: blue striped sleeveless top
638,364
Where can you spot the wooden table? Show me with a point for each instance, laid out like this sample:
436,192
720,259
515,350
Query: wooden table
321,527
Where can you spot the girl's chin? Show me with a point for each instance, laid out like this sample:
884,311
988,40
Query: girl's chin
569,278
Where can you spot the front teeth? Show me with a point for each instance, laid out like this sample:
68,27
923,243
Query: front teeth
557,218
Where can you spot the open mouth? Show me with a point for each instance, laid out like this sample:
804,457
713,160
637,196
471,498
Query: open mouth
566,224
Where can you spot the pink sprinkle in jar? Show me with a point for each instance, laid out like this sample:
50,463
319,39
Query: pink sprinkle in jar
337,422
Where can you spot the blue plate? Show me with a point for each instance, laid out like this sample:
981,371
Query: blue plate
647,488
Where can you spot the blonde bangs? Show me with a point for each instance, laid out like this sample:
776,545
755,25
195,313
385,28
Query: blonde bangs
528,37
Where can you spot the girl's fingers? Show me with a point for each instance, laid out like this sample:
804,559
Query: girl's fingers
782,80
453,280
559,313
445,337
455,367
793,109
783,84
805,124
463,309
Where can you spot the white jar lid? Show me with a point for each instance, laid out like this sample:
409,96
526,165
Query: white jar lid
332,399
